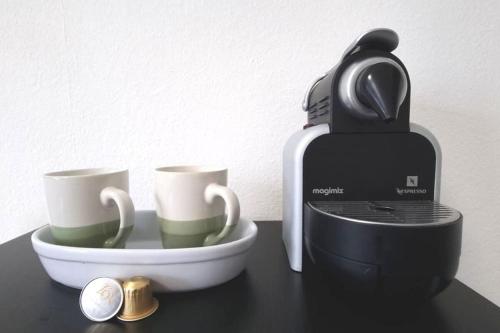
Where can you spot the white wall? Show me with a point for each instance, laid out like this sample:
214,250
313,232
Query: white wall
140,84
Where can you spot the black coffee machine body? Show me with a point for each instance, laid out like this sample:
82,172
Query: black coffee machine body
361,183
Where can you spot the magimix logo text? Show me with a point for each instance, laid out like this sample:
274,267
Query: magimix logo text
328,191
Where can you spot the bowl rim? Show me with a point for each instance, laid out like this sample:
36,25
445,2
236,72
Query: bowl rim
144,256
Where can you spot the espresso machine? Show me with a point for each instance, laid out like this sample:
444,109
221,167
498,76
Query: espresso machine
361,183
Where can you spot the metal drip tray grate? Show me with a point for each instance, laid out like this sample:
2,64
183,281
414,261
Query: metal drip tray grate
390,212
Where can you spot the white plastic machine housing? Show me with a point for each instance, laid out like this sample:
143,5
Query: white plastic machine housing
293,157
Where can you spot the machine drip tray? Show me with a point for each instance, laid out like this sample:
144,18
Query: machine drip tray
407,213
388,250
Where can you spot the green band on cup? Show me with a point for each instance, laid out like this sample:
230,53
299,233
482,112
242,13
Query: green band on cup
88,236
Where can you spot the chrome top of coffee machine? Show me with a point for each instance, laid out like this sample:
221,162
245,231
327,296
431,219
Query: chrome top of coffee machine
361,183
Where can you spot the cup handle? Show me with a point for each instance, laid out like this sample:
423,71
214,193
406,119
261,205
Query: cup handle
110,195
233,211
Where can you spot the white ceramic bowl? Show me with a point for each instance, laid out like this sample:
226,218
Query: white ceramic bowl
169,269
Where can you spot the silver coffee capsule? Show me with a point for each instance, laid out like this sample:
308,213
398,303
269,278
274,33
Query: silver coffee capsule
101,299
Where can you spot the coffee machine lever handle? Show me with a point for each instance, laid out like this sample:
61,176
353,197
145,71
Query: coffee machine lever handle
379,39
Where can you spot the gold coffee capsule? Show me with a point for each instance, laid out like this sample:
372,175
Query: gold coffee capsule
138,300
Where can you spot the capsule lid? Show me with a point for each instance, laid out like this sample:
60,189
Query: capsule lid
101,299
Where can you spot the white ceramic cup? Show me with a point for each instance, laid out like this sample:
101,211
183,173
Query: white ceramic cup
89,207
190,202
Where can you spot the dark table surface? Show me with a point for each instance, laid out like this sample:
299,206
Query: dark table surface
266,297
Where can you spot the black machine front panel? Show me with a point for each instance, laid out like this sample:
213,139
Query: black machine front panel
369,166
